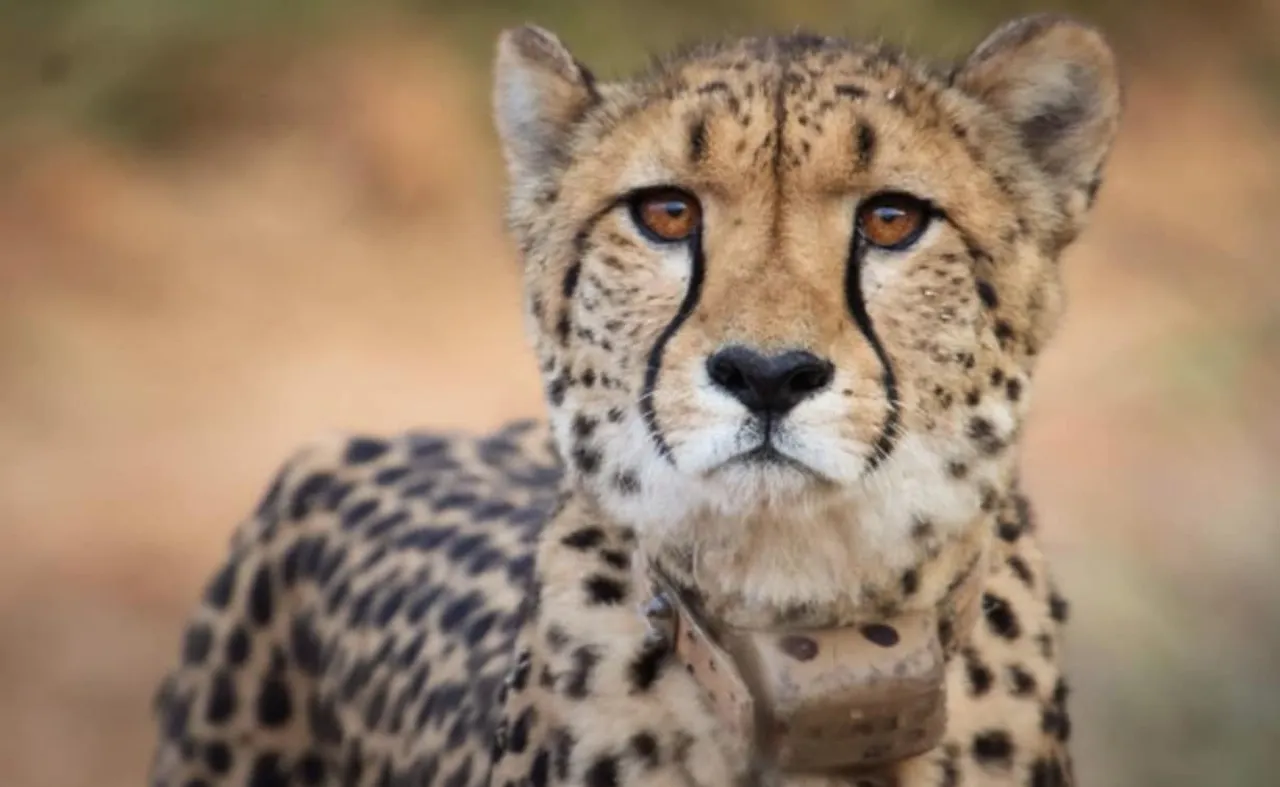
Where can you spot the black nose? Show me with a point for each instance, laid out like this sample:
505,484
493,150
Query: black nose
769,384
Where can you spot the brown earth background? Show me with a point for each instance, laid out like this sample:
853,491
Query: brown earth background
227,226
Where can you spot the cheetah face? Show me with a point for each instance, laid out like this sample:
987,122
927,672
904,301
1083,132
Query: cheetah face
779,272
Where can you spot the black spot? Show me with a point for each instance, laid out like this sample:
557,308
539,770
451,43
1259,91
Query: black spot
1047,772
866,145
1013,389
556,388
910,582
946,633
196,644
950,776
881,634
585,538
1055,722
376,708
957,470
563,328
1004,333
626,482
275,706
238,647
461,776
518,738
648,663
311,769
556,638
587,460
389,607
460,610
1009,531
980,677
616,558
538,772
993,747
584,426
922,529
1091,189
578,680
176,712
520,675
1059,609
988,294
307,493
698,140
604,590
267,772
1021,570
218,758
982,432
480,628
1024,683
602,773
571,275
220,589
261,603
799,647
362,449
645,746
222,701
355,515
353,768
1000,617
562,758
851,91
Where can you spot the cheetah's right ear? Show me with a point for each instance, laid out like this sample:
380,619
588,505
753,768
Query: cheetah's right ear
540,91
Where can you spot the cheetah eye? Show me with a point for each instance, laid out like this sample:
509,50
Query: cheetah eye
666,215
893,221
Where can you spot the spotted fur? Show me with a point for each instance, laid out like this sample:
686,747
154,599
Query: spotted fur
453,610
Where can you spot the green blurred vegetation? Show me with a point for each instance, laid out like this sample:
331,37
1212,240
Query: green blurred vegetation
132,68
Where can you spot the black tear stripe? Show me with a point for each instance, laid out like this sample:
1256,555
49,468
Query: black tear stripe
654,366
885,443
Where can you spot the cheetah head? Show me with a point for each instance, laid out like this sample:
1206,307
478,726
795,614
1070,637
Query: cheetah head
796,274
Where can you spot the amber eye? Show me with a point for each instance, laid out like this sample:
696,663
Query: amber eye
892,221
666,215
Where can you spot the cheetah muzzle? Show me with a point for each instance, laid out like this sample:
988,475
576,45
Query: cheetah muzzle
787,295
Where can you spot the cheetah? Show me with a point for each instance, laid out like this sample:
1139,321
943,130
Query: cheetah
787,295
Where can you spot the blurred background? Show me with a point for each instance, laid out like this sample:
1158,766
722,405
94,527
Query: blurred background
229,225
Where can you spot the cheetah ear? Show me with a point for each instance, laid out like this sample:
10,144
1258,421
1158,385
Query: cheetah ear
540,91
1055,81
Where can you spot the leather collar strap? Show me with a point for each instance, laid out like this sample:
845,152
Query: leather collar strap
855,698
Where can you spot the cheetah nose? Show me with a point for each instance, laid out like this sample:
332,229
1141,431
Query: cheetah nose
769,384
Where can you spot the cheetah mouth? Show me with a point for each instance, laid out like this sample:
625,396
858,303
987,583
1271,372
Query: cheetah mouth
767,455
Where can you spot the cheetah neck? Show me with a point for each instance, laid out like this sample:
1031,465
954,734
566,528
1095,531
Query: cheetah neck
809,570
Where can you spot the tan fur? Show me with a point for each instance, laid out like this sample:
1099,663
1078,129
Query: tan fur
900,471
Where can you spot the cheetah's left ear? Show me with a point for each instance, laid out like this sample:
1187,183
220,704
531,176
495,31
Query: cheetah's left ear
1056,82
540,91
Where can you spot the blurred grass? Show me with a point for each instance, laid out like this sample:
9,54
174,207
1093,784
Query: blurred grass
124,69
